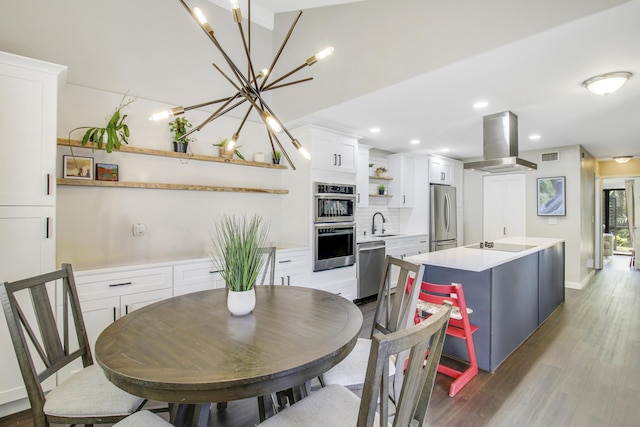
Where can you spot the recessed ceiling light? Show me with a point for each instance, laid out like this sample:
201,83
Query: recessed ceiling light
534,136
415,141
374,130
445,150
480,104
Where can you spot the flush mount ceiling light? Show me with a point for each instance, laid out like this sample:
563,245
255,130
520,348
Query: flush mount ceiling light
607,83
249,85
622,159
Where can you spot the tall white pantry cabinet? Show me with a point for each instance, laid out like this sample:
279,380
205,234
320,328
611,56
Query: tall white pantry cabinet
28,119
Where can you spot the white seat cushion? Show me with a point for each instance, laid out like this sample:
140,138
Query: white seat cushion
352,370
143,419
89,393
331,406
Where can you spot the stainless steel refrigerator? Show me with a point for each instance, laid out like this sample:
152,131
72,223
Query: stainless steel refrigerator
443,222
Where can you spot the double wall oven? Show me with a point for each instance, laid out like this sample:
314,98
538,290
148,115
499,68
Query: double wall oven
334,229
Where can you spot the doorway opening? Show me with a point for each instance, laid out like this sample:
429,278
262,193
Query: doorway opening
615,221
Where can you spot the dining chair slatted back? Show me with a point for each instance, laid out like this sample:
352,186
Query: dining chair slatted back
335,405
45,342
419,377
395,310
269,265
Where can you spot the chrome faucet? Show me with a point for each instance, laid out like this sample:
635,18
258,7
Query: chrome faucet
373,223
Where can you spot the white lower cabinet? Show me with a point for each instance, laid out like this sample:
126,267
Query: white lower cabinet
293,267
106,295
196,275
340,281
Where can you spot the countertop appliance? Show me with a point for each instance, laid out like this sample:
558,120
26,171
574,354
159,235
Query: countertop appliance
443,224
370,260
504,247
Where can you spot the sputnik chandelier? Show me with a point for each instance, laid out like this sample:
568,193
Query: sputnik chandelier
249,86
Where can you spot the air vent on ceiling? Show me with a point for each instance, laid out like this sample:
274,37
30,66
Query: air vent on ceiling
550,157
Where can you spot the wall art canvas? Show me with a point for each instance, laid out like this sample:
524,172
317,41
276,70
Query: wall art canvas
551,196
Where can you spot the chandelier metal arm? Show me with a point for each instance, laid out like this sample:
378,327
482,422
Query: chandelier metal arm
287,84
284,43
247,50
284,152
295,70
219,112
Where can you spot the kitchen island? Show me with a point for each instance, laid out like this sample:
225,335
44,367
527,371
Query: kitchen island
512,289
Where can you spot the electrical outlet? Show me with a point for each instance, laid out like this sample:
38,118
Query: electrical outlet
139,229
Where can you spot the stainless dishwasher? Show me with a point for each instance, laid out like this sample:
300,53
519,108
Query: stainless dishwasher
370,261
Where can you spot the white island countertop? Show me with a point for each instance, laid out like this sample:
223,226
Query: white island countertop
466,258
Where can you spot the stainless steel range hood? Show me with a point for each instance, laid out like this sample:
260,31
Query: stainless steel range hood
500,146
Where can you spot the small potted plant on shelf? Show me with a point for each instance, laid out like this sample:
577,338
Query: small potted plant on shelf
237,253
180,126
222,150
115,133
380,171
381,189
277,155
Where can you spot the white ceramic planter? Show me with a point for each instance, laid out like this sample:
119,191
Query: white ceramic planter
241,303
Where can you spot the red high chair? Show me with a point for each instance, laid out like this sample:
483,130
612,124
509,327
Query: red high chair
431,298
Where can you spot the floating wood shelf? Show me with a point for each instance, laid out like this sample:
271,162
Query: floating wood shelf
159,186
386,178
380,195
162,153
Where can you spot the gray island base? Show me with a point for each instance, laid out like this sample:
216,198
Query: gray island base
511,293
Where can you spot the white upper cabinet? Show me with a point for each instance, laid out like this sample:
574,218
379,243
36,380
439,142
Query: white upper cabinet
28,120
401,187
440,171
330,150
362,177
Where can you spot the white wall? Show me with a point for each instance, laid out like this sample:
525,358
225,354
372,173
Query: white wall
94,224
576,228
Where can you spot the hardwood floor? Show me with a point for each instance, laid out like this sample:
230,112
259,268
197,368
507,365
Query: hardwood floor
580,368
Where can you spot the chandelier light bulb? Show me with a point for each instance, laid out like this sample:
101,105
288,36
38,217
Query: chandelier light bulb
232,142
271,122
160,116
202,19
235,10
320,55
175,111
301,149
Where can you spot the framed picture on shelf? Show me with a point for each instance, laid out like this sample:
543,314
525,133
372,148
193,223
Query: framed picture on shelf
76,167
551,196
106,172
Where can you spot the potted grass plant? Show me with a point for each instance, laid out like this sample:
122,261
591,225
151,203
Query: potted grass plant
237,243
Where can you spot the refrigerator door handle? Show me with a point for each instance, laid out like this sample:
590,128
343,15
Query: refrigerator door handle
446,212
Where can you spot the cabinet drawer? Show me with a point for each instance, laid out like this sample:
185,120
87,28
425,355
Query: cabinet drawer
104,284
293,258
196,276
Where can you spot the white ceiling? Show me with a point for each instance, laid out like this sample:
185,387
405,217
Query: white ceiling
538,78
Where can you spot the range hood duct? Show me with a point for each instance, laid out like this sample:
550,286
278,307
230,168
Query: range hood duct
500,146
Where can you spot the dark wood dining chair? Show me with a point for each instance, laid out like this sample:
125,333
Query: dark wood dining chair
269,267
394,311
46,339
337,406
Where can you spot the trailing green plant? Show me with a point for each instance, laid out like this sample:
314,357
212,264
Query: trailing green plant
180,126
115,133
222,145
237,243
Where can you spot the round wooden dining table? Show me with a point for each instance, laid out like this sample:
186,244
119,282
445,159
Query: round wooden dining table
190,350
